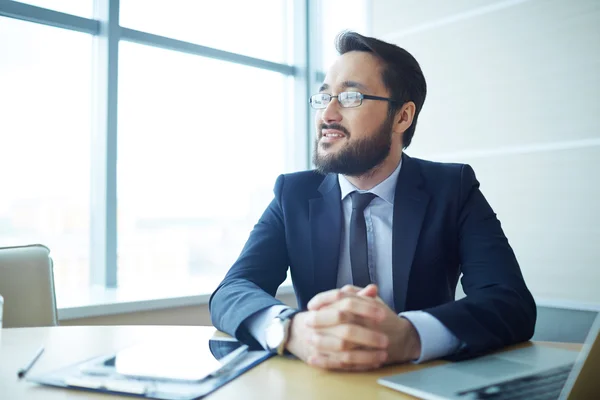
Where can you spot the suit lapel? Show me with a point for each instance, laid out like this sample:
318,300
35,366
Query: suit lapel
410,205
326,229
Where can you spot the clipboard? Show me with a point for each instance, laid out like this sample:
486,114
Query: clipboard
102,374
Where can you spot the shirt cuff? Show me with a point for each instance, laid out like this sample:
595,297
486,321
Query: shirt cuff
436,340
258,322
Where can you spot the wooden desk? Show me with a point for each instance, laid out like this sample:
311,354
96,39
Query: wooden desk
277,378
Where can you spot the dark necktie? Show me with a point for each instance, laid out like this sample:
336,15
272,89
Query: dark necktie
359,257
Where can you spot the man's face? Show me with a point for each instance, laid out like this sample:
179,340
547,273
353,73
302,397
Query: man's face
352,141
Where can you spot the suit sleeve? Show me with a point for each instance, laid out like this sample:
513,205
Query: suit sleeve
251,283
498,309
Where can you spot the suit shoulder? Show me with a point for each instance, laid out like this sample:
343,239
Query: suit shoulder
436,168
442,174
300,182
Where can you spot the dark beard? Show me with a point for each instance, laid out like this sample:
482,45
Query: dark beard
359,157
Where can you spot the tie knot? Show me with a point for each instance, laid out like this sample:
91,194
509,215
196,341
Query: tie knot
360,201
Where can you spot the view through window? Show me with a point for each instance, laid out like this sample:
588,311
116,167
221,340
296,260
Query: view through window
201,142
45,132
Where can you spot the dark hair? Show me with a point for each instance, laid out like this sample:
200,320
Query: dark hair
401,75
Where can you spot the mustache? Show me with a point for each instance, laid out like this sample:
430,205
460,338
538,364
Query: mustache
337,127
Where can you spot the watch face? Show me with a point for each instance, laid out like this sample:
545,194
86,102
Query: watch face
275,334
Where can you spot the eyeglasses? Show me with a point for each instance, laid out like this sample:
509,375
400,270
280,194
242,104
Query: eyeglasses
346,99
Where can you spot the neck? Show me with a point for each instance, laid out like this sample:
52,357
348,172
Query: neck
378,174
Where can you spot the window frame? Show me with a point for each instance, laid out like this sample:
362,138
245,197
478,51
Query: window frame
107,34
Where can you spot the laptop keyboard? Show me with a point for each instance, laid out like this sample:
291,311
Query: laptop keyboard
542,386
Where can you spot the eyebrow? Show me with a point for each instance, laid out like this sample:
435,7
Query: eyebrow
346,85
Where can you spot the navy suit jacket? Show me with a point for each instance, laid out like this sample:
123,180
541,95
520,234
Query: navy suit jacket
442,227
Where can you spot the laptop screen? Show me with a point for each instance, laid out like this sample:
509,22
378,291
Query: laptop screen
583,381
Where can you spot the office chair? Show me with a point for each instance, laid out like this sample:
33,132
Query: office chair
27,285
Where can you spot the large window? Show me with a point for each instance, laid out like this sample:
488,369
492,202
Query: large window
157,171
45,122
201,142
257,28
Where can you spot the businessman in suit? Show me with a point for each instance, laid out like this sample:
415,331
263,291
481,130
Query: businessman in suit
375,240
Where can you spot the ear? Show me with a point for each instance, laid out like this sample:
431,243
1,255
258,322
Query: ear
404,117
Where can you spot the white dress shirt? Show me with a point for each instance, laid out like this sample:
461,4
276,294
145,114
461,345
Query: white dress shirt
436,340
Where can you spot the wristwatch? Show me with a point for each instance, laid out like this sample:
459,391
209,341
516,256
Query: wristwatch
278,331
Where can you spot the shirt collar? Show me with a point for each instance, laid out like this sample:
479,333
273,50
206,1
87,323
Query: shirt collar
384,190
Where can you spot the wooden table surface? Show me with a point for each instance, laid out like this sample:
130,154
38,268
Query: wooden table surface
277,378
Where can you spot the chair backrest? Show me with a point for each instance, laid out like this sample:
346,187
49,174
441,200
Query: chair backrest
27,285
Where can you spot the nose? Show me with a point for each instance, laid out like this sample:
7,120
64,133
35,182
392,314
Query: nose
331,113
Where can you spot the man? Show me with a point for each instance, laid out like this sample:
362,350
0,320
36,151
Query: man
375,240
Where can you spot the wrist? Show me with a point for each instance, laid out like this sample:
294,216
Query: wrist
413,341
407,343
292,344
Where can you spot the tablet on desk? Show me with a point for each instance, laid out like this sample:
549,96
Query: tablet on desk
161,370
165,361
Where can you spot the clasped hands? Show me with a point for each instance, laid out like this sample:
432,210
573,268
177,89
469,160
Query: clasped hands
352,329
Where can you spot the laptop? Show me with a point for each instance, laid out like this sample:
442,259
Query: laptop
533,372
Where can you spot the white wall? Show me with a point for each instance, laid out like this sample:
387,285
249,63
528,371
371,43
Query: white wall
514,90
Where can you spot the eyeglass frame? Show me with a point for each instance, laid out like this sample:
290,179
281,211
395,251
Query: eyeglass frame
361,97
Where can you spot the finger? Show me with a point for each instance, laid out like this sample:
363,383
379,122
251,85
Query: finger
331,296
328,317
370,291
323,343
349,360
360,306
325,298
351,289
358,335
347,318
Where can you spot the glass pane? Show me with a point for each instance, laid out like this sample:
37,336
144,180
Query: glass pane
336,16
254,28
45,132
199,152
81,8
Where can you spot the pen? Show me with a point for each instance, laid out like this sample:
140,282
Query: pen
23,371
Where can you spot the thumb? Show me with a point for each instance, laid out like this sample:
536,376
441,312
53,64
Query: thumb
351,289
369,291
